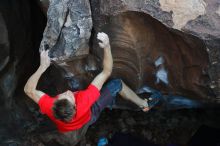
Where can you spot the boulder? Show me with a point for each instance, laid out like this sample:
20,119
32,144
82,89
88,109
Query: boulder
171,46
195,22
192,28
68,29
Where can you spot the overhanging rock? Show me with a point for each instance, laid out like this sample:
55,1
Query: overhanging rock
199,18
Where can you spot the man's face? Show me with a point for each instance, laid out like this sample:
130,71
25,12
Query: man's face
67,95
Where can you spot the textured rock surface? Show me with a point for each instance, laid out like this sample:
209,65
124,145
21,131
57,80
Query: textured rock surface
198,17
68,29
176,127
143,41
173,13
183,11
67,36
173,127
203,22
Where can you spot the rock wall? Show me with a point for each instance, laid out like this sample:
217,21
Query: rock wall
198,18
194,18
142,30
151,51
69,27
15,41
21,28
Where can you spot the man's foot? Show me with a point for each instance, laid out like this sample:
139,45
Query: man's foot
151,101
146,109
145,106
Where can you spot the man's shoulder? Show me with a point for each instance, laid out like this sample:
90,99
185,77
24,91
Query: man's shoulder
91,91
45,103
45,98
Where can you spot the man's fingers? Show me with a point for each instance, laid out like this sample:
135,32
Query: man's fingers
99,36
54,59
102,36
47,52
101,45
44,53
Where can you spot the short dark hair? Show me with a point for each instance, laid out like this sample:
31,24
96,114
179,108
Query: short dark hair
63,110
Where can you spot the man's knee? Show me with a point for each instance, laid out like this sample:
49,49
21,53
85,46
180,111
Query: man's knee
116,82
114,86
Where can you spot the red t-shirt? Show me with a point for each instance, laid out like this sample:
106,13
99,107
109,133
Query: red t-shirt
83,99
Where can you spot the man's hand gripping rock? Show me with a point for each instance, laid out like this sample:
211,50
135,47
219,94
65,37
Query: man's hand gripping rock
103,37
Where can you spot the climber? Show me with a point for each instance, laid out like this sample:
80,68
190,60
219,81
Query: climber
75,111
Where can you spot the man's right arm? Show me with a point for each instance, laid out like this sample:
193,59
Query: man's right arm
30,86
107,61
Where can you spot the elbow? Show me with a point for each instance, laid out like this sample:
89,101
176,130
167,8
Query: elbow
27,91
107,73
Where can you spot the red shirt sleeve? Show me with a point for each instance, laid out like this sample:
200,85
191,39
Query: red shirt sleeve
90,95
45,103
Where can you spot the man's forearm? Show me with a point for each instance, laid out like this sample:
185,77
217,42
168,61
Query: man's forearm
107,69
30,87
107,61
33,80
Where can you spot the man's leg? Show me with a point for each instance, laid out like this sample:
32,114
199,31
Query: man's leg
109,93
130,95
106,99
